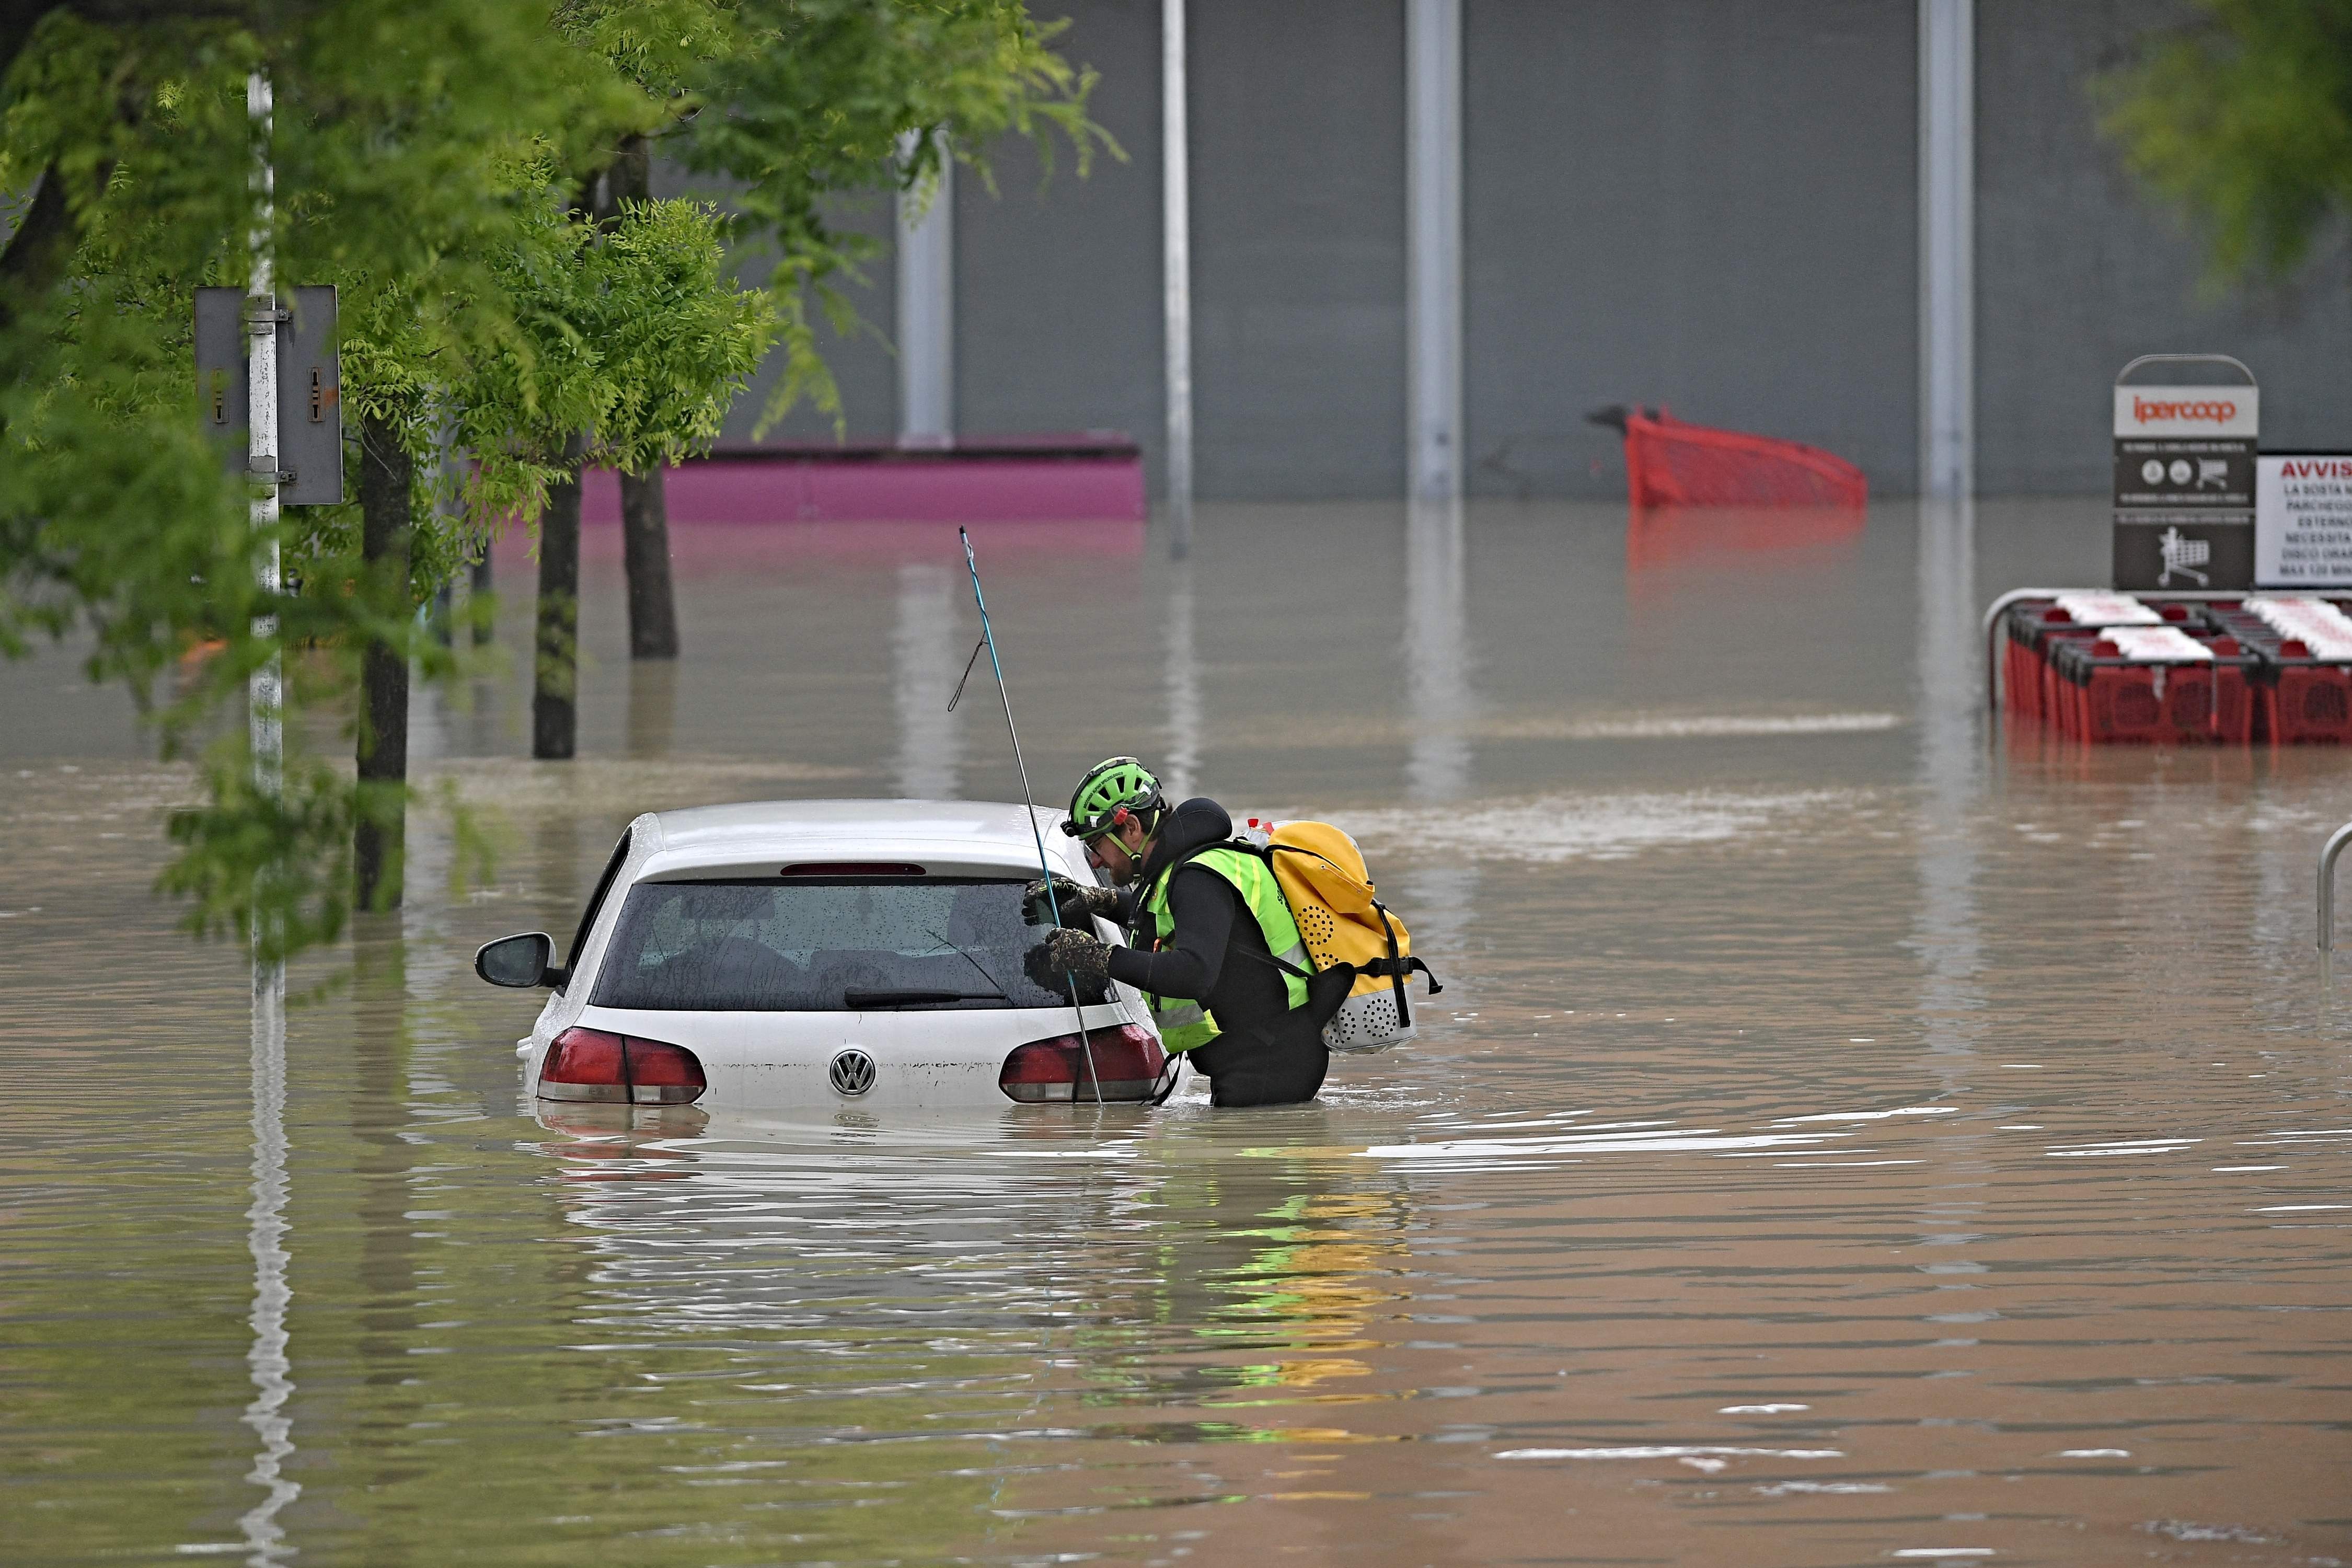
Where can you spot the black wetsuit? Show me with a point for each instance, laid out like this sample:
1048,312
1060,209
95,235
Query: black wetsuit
1267,1054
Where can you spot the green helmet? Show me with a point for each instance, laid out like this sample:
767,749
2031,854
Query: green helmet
1111,792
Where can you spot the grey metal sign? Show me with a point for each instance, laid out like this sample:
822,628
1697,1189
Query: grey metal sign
309,389
2185,426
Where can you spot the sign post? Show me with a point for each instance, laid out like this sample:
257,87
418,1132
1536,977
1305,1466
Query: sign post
2184,462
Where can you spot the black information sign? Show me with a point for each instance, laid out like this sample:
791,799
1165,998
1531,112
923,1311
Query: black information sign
2184,476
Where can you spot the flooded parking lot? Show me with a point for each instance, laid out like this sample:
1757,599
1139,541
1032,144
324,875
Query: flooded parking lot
1845,1135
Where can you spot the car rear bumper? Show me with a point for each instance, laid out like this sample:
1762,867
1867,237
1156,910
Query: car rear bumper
760,1062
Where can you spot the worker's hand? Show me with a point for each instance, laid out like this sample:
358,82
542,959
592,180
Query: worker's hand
1066,955
1075,898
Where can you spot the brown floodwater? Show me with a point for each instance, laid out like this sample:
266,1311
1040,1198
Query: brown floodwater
1845,1136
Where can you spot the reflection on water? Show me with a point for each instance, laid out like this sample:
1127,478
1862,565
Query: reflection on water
1179,762
1951,760
1843,1135
1437,655
924,654
273,1384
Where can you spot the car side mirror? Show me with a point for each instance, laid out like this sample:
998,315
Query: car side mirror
522,961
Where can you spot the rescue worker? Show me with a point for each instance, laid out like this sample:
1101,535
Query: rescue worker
1208,921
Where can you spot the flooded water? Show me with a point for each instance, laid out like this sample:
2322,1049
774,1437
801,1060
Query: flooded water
1845,1136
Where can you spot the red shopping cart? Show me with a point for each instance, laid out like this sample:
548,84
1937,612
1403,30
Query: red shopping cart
1671,463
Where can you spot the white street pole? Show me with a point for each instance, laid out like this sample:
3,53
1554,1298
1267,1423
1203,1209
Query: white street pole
926,308
1433,248
263,694
267,1361
1176,247
1946,247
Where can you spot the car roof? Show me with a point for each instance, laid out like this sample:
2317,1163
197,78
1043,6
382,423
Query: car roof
954,832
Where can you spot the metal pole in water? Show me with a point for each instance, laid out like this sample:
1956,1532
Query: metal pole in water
269,1365
2327,857
1946,247
1176,255
1433,248
1028,801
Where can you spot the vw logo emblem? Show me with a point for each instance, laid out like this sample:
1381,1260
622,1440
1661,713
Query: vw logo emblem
852,1072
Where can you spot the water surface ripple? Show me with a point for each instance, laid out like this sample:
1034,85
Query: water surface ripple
1844,1137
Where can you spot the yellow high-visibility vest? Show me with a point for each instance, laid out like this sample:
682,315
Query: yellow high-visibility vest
1186,1024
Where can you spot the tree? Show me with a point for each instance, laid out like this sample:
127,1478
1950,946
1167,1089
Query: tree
645,505
636,345
789,102
2242,118
402,144
426,155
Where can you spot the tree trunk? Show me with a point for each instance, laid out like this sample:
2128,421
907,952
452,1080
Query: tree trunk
644,544
478,588
386,493
554,716
645,506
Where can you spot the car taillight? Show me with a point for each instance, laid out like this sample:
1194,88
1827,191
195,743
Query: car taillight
1127,1057
595,1063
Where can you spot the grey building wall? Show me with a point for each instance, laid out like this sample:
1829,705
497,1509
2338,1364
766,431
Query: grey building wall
1298,248
2077,272
863,367
1705,204
1298,252
1057,280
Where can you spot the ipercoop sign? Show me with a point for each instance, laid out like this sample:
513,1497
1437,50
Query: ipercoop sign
2187,411
2184,492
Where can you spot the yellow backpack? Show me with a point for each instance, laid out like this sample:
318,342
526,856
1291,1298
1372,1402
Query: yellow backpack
1323,879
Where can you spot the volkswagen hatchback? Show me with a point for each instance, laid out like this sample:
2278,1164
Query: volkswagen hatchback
799,954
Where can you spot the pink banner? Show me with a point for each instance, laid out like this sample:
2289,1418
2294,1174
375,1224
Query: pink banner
929,488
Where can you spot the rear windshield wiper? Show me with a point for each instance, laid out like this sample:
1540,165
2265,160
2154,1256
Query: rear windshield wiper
913,996
968,958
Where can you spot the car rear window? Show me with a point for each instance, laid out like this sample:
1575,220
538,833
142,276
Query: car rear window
822,946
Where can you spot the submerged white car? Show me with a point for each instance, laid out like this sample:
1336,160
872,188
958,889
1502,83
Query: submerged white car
809,954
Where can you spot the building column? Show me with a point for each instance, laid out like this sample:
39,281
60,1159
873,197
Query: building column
1946,247
927,309
1176,272
1433,247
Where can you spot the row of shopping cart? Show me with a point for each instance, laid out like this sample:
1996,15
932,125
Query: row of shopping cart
2108,668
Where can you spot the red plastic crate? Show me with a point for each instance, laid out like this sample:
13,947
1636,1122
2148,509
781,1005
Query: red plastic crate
2300,699
2104,699
2307,703
2034,627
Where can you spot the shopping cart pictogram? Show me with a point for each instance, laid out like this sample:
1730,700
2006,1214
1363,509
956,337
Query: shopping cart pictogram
2184,556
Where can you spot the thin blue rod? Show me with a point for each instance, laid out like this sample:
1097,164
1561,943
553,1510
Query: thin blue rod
1028,801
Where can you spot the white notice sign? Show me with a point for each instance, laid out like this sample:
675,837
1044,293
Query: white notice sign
2303,520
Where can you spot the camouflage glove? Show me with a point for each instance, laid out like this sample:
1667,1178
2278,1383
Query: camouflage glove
1074,896
1065,955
